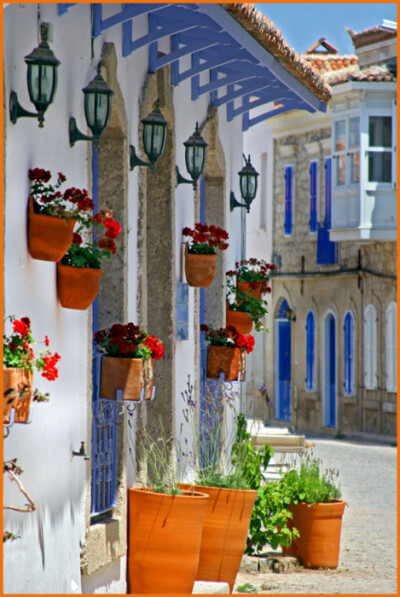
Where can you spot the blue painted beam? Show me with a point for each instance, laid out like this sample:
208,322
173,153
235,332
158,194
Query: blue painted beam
249,104
63,8
241,71
159,27
129,11
217,56
247,122
250,85
183,44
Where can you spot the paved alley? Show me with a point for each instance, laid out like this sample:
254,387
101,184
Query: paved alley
368,553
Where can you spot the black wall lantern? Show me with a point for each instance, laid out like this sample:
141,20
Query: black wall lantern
42,80
195,158
290,315
248,186
97,110
154,139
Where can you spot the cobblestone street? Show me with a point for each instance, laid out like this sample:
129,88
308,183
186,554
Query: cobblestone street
368,553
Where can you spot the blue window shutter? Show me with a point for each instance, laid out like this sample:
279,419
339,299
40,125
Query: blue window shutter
328,191
288,199
313,196
310,350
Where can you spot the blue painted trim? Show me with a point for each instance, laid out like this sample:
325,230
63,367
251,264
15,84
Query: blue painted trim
62,9
288,225
252,84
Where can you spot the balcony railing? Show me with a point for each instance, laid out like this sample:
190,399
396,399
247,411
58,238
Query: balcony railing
326,249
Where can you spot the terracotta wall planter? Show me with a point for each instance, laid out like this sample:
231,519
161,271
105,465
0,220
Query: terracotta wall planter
239,320
200,269
164,537
77,286
245,287
225,530
19,380
222,359
128,375
49,237
320,527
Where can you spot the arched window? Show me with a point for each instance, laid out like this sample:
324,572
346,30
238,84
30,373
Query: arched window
310,352
370,347
391,348
349,353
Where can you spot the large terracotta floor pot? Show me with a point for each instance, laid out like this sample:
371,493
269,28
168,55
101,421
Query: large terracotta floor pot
17,394
225,531
320,527
164,537
227,360
239,320
200,269
77,286
49,237
129,375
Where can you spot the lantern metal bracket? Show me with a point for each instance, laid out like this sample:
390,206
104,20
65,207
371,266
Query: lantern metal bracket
76,135
235,203
17,111
181,180
134,160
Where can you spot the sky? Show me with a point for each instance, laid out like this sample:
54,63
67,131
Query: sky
303,24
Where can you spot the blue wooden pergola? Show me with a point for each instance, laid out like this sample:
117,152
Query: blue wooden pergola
242,74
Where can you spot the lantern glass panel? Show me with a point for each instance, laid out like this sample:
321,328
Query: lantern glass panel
96,110
153,140
248,186
195,160
41,83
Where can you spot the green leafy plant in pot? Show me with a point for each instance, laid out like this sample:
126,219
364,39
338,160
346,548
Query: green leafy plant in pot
317,508
228,468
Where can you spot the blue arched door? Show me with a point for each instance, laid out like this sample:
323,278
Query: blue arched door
283,364
330,371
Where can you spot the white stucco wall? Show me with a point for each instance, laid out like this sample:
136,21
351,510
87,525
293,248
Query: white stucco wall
48,551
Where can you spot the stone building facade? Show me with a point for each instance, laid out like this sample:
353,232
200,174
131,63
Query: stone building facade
331,350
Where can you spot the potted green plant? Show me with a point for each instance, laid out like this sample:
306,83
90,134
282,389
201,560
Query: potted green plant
317,513
226,352
19,361
201,252
230,475
165,521
128,361
79,271
247,286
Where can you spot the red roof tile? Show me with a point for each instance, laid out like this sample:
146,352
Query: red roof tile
370,36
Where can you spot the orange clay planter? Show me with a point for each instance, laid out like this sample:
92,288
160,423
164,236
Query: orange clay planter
164,537
200,269
245,287
20,381
129,375
49,237
227,360
77,286
320,527
239,320
225,530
